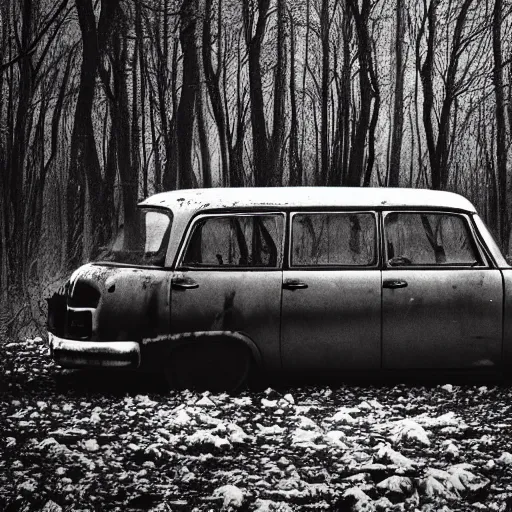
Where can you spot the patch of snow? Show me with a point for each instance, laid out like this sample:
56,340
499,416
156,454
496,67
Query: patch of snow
432,487
270,431
95,418
333,438
409,430
10,441
446,420
205,402
144,400
272,404
386,454
343,417
396,484
202,437
181,418
462,478
237,434
451,449
451,482
271,506
242,401
49,441
448,388
361,502
286,402
300,436
208,419
505,458
306,423
28,486
283,462
51,506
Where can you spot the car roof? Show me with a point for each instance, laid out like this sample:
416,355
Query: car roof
193,200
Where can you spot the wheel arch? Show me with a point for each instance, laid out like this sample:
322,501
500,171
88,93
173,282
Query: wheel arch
171,342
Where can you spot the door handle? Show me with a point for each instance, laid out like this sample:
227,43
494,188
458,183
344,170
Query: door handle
183,283
394,283
294,284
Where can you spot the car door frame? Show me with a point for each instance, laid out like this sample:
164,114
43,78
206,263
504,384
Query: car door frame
376,362
488,263
268,347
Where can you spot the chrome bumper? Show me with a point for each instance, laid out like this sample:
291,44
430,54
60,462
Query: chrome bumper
79,354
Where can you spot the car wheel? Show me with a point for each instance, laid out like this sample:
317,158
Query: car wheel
215,365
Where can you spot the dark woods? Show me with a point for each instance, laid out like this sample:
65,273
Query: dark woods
105,102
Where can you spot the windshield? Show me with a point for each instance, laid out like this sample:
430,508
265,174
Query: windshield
143,241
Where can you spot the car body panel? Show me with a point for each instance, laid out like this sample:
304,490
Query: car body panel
334,323
134,302
442,319
507,317
232,300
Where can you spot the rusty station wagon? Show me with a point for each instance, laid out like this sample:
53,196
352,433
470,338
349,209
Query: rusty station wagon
212,284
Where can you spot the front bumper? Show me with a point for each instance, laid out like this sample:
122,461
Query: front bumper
80,354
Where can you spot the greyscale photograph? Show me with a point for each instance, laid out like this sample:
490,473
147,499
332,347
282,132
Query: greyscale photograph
255,255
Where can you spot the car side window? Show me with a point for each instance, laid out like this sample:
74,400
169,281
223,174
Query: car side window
334,239
236,241
424,238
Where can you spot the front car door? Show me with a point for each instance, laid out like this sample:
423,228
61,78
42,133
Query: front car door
331,311
442,299
228,278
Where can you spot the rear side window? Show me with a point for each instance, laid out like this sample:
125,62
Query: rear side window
429,239
236,241
337,239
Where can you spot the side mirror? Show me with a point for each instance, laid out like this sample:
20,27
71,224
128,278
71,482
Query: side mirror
508,258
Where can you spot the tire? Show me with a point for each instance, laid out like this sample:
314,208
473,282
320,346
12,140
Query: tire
214,364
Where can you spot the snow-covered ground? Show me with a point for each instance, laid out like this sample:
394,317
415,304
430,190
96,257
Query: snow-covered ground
76,441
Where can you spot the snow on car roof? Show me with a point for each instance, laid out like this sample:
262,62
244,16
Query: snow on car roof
294,197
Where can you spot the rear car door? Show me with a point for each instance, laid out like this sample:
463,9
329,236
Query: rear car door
331,312
442,299
229,276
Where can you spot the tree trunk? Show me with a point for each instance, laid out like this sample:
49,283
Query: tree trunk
16,163
295,163
427,79
398,110
325,24
258,124
190,84
356,166
276,142
83,158
501,147
212,83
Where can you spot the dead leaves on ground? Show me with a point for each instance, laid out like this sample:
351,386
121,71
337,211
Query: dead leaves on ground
348,448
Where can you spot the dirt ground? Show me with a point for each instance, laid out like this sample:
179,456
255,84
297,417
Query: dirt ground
75,440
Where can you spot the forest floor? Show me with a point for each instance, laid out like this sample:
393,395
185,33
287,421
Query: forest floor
75,440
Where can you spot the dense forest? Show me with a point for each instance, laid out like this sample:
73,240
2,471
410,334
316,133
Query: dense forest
105,102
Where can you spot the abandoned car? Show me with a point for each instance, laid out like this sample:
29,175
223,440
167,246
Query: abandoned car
210,285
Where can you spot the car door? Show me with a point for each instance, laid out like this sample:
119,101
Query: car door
229,276
331,311
442,300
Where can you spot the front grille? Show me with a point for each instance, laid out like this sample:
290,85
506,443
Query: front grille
79,325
